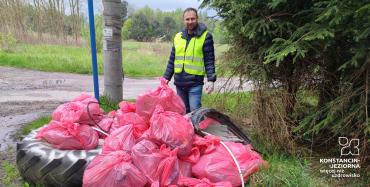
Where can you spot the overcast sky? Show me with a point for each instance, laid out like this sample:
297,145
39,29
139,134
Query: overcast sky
164,5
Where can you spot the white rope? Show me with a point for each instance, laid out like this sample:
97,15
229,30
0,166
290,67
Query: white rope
235,161
99,130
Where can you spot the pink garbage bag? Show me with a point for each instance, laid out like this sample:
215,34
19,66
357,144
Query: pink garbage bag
127,107
193,157
218,165
106,123
113,169
172,129
67,135
206,144
193,182
83,109
122,119
201,146
160,165
208,122
91,106
68,112
82,97
162,95
120,139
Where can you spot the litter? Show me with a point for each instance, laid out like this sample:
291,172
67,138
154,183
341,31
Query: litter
218,164
172,129
194,182
159,164
149,143
68,135
127,107
162,95
83,109
121,139
122,119
113,169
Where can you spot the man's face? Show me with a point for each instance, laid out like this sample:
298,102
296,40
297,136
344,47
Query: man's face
190,20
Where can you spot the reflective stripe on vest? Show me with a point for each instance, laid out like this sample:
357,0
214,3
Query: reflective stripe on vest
191,58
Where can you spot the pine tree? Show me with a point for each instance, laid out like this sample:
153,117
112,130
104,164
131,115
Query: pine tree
297,46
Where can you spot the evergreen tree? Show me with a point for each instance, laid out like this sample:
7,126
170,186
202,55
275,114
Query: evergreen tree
295,46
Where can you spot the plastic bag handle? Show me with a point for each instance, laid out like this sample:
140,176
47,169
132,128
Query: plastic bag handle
235,161
99,130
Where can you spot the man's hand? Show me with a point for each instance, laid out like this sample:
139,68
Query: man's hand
210,87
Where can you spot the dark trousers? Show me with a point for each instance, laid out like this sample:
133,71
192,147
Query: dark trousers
191,96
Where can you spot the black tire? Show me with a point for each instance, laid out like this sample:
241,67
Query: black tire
228,131
40,164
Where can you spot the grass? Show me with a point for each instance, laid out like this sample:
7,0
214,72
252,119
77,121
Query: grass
35,124
11,174
286,171
108,105
139,59
234,104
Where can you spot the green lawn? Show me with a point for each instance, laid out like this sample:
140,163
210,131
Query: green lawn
140,59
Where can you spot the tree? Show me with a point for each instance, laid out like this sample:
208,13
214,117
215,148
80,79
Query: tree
126,29
57,18
124,12
209,21
140,27
74,7
148,24
169,27
220,34
295,46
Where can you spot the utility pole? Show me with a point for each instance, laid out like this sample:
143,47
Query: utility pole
112,46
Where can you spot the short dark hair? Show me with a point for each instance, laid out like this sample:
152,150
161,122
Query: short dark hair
190,9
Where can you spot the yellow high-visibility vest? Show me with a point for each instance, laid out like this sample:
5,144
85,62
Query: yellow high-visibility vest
190,59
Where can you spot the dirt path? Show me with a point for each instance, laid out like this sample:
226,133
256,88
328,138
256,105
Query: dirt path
27,95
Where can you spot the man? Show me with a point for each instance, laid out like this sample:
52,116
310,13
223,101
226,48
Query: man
192,57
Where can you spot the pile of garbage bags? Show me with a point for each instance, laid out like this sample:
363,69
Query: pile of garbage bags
70,127
148,143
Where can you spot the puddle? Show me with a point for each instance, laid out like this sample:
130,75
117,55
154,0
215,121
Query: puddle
10,124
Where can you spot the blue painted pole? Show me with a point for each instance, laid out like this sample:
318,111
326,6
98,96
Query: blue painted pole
93,49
